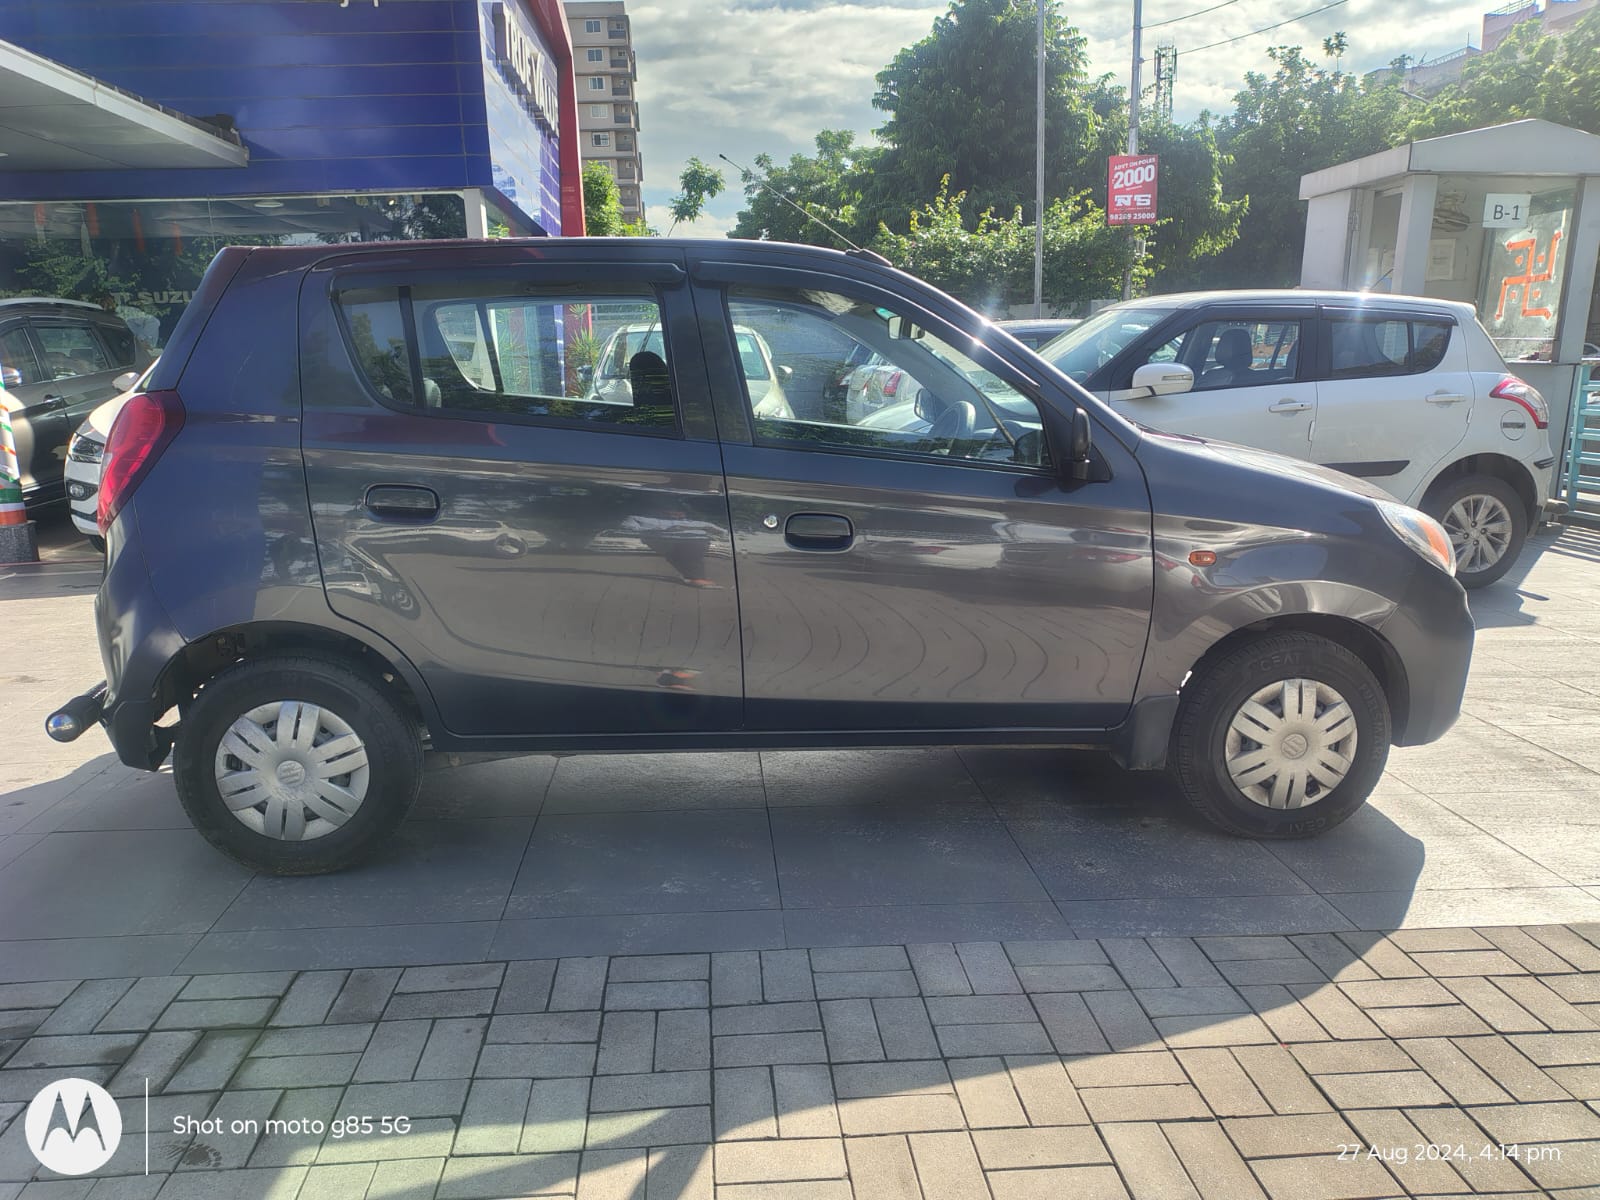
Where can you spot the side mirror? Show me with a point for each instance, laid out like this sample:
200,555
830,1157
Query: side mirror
786,373
1161,379
10,377
125,381
1078,449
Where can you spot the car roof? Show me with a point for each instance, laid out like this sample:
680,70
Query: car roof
49,302
1039,322
1282,296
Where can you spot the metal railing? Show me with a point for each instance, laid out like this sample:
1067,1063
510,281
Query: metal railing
1580,486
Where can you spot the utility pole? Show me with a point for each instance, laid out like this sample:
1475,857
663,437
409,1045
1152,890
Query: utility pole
1038,179
1133,131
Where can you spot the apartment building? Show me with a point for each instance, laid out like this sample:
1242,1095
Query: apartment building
608,110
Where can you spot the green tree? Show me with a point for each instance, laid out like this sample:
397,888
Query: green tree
602,202
990,264
1298,119
960,102
826,186
697,183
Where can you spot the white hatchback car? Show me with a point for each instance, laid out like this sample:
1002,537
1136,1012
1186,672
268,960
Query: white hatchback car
1405,391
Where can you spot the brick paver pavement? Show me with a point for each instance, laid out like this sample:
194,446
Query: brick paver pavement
1434,1062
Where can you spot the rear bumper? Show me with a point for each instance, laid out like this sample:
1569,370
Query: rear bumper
1431,633
137,641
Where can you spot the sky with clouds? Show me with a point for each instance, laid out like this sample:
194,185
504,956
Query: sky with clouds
742,77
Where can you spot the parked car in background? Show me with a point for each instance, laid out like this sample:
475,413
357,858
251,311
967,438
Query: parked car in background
328,550
619,366
86,454
59,360
1407,392
1035,332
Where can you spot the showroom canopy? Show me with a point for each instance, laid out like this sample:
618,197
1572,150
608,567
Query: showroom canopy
53,118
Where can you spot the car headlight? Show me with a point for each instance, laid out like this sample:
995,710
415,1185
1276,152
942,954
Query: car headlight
1421,532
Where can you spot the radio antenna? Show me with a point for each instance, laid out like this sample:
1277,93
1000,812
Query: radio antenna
746,174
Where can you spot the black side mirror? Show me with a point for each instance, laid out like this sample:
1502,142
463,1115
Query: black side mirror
1078,451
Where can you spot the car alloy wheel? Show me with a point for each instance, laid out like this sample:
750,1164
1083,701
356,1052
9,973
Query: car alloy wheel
1291,743
1481,529
291,770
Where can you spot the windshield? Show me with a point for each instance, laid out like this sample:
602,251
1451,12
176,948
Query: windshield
1084,349
628,342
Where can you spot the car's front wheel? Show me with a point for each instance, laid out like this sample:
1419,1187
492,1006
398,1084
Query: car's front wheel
1487,524
1281,736
296,766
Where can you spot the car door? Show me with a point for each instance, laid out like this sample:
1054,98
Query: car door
941,578
82,370
1252,383
553,562
1394,397
37,407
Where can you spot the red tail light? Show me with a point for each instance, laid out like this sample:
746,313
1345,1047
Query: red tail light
1520,391
891,385
143,429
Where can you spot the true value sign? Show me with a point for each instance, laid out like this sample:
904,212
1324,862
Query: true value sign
529,67
1131,191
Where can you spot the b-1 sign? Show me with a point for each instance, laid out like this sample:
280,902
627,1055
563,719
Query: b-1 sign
1131,192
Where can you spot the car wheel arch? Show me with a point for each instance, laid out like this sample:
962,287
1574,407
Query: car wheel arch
1498,466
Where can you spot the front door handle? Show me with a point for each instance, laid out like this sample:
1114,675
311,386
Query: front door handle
1289,406
51,403
405,500
1446,398
818,531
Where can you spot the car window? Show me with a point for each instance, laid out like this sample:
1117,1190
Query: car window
119,340
1373,347
1429,341
1085,348
564,355
70,350
851,376
1242,353
16,353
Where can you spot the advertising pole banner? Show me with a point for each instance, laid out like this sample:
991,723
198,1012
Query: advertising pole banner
1131,190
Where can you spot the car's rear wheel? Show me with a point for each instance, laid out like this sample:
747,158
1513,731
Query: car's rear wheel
1282,736
296,766
1487,524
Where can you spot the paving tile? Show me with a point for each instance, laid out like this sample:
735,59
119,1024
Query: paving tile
406,1179
1382,956
1534,1124
776,1162
805,1101
1288,1019
1334,957
938,969
1452,1127
1242,1030
1395,1140
1581,952
852,1030
781,1017
613,1174
1137,963
1223,1082
649,1127
234,986
1071,1026
142,1004
1190,1001
1163,917
74,1050
1544,1004
1184,960
650,782
1051,1183
1383,1089
364,995
490,1121
1306,1134
786,975
811,1189
154,1062
1122,1020
1463,1079
452,977
1510,1067
766,1049
1271,970
1069,978
212,1062
452,1049
488,1176
1559,1049
669,994
900,1114
1528,951
545,1027
627,1043
316,1070
526,986
1315,1179
557,1116
309,998
1213,1165
988,969
88,1005
1151,1102
392,1052
1282,1082
679,1173
948,1166
336,1181
736,977
662,1089
881,1167
743,1103
1335,1013
850,984
1125,1067
987,1096
523,1060
904,1028
579,984
1148,1164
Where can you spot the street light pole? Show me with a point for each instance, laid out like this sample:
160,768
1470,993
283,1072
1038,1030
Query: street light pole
1133,132
1038,179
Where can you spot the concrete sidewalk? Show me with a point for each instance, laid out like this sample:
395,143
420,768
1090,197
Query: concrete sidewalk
1430,1063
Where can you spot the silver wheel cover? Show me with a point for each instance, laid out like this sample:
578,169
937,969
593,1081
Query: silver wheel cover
291,770
1291,743
1480,529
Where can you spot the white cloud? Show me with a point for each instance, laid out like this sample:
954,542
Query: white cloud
743,77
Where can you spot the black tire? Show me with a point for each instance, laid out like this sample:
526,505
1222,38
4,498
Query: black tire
394,760
1441,502
98,542
1219,688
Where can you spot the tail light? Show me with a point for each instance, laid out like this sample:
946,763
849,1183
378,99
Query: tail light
143,429
1520,391
891,385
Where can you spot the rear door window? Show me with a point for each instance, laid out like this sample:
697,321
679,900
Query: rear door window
16,354
70,349
592,356
1378,347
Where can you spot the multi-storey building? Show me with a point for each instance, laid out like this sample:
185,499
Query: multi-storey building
608,110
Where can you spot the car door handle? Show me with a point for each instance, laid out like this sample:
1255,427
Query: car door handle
1446,398
1289,406
52,403
402,500
818,531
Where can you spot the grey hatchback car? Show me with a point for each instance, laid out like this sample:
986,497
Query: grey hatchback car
369,507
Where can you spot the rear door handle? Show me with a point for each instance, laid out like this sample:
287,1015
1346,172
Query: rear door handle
1446,398
818,531
407,500
1289,406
